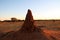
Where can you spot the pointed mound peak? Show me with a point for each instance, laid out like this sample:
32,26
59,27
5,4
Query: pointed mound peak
29,15
29,10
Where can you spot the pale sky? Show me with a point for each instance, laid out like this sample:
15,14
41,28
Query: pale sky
41,9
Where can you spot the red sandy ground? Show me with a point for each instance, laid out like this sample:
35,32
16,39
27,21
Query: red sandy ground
55,34
52,34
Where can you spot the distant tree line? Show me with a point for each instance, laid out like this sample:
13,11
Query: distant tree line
12,20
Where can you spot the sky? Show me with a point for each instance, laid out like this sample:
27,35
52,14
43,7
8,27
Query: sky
41,9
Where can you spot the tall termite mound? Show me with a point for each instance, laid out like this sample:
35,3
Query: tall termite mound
28,25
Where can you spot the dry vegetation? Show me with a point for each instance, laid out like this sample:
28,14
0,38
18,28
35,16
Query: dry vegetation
9,26
51,33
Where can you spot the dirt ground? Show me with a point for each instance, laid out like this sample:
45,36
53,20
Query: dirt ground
13,26
48,27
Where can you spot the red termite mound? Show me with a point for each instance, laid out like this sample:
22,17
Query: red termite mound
28,25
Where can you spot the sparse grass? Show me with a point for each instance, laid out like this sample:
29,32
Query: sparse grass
14,26
8,26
